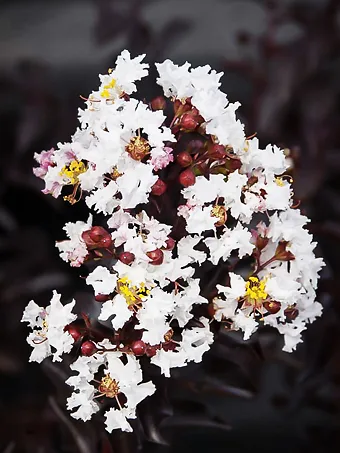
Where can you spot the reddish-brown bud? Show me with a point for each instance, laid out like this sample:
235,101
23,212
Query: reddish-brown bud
217,152
97,237
291,313
158,188
170,244
138,347
151,351
184,159
187,178
156,256
159,103
188,122
126,257
102,297
97,233
73,331
180,108
272,306
88,348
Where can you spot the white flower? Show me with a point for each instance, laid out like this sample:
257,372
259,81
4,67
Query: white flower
237,238
185,300
103,198
48,336
152,316
126,72
135,185
117,307
102,280
245,323
231,293
74,250
117,419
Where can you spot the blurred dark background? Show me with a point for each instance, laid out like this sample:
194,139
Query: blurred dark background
282,61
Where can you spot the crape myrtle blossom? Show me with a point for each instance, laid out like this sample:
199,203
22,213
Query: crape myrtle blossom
177,205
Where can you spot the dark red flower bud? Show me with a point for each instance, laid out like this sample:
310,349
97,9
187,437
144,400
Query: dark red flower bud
272,306
97,237
217,152
151,350
170,244
74,331
158,188
88,348
97,233
187,178
188,122
159,103
138,347
126,257
156,256
102,297
184,159
291,313
180,108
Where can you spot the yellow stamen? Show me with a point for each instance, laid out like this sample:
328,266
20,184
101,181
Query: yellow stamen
220,213
132,294
108,387
255,291
73,170
138,148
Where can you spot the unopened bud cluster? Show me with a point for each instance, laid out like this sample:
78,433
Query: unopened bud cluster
178,196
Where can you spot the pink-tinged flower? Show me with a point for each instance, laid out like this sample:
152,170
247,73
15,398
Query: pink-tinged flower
45,160
161,157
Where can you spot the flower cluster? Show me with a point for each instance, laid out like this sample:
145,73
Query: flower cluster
195,228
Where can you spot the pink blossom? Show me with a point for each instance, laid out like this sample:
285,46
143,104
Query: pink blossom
163,157
45,161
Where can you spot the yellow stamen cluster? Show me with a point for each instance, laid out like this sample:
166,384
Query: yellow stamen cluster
138,148
279,182
108,387
132,294
105,93
255,290
220,213
73,170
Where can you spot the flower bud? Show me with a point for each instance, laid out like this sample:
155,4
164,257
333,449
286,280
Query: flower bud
156,256
184,159
73,331
159,103
187,178
97,237
102,297
272,306
170,243
188,122
291,313
158,188
138,347
88,348
151,350
126,257
96,233
217,152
